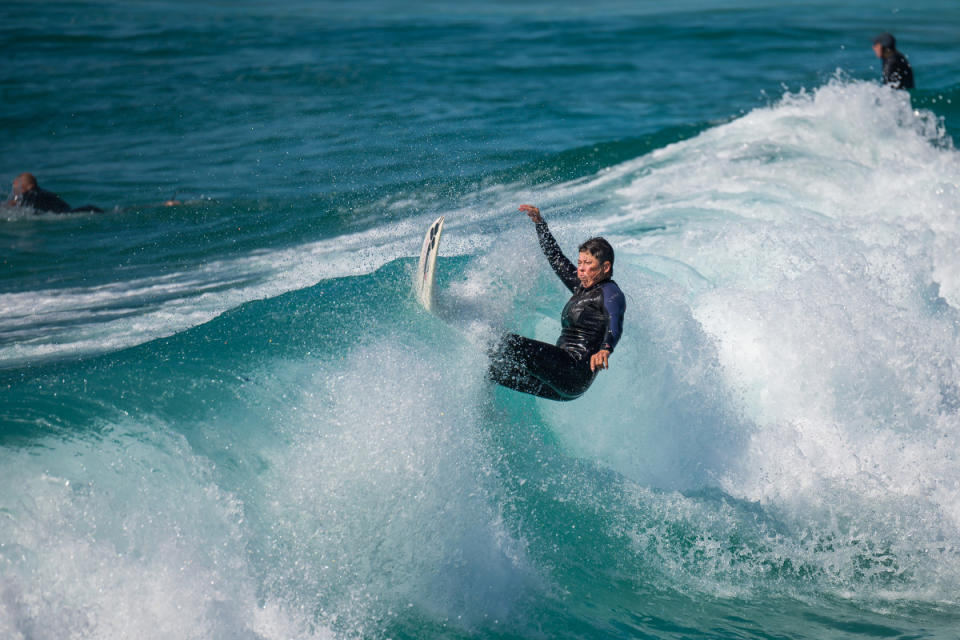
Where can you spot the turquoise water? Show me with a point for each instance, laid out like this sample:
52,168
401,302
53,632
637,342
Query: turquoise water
229,419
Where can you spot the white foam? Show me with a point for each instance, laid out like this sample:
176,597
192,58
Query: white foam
127,536
385,499
784,336
87,320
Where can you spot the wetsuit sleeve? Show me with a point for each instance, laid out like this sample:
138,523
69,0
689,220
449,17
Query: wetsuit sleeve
564,269
615,305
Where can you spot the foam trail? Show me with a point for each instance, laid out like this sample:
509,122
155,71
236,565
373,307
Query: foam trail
81,321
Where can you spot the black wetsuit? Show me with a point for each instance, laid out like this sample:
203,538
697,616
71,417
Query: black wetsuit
43,200
591,320
897,71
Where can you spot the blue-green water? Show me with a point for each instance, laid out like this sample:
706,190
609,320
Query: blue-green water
228,418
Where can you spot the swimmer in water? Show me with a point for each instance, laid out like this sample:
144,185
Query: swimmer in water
591,324
28,194
896,70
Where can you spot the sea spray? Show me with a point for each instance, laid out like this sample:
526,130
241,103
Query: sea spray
383,497
812,368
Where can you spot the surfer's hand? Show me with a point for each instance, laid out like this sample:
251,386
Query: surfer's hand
599,360
531,211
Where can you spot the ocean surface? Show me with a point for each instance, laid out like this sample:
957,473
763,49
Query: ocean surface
228,419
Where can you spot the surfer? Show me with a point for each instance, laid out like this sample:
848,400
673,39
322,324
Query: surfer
591,324
896,70
27,193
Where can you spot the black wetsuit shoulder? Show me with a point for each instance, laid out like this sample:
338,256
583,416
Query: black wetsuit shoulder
43,200
897,71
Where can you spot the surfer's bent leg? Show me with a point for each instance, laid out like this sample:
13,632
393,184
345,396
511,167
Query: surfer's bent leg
538,368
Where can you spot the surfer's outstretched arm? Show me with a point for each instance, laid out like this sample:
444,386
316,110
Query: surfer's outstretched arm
565,270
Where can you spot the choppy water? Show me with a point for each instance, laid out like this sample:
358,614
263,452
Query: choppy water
228,419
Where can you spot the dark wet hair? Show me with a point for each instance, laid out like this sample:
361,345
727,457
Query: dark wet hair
886,40
600,249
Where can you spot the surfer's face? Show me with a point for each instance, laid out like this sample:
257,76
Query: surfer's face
590,271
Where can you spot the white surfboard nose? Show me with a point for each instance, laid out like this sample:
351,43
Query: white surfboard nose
426,269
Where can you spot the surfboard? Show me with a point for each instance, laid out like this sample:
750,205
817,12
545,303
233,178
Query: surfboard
427,267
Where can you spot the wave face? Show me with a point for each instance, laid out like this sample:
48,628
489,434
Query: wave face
229,419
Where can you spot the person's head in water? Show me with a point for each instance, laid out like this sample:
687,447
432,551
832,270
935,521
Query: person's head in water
884,45
595,263
23,183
